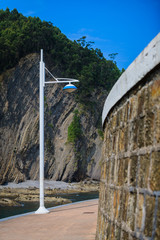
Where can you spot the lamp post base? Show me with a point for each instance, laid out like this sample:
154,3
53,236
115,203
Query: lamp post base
41,210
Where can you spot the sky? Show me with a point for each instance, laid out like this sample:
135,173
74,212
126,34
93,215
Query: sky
115,26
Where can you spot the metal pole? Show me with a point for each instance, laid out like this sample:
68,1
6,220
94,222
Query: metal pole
42,208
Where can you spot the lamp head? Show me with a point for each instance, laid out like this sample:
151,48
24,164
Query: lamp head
70,88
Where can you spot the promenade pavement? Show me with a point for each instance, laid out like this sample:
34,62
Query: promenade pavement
70,222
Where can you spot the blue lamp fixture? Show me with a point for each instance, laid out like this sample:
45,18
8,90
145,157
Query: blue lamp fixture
70,88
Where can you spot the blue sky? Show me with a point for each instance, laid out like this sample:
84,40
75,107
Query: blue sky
116,26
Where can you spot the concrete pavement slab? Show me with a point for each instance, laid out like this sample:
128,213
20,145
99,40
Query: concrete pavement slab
70,222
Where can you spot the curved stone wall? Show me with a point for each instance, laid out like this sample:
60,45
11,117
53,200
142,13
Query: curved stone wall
129,202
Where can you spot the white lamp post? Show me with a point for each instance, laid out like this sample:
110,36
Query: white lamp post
69,88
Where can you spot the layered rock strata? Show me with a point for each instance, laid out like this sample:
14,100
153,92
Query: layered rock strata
19,128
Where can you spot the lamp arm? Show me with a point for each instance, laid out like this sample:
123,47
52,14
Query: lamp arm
68,79
64,79
51,75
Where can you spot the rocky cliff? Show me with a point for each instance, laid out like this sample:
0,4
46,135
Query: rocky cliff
19,128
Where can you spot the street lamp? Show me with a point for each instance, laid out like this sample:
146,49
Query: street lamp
69,88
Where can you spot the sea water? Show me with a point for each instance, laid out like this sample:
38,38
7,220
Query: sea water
32,206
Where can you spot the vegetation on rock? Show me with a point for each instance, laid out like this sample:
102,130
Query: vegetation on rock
74,129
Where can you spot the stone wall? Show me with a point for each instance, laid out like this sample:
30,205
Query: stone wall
129,202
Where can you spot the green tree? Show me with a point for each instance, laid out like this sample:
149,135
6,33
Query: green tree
112,56
21,35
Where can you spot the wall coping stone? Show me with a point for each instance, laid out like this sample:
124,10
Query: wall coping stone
148,59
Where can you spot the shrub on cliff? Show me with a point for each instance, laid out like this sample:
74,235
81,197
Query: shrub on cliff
74,129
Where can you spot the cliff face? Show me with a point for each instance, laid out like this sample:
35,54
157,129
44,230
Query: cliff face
19,129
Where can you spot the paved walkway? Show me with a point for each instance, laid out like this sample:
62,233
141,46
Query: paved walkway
73,222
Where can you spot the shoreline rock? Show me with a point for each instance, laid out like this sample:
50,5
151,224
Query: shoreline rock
13,194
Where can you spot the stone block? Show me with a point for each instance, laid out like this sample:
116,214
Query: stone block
132,201
113,122
133,170
117,204
134,133
149,128
121,140
140,214
105,132
149,208
157,125
155,91
106,149
155,171
99,221
108,203
141,100
126,169
147,99
125,205
133,107
103,227
143,176
108,171
126,138
110,145
140,133
125,235
101,195
108,230
112,236
133,238
120,172
114,203
106,200
117,233
130,108
103,170
111,197
113,168
103,151
115,142
119,117
157,232
125,113
120,206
